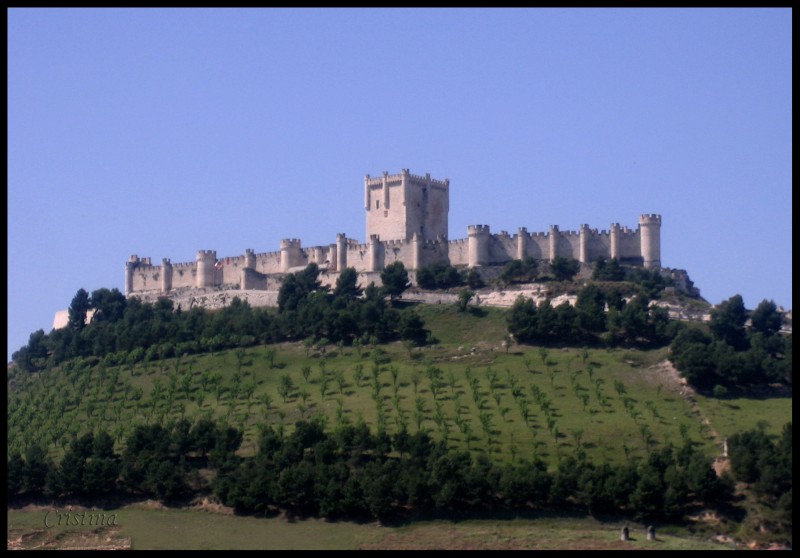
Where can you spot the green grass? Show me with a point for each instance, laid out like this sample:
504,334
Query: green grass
612,425
731,415
192,529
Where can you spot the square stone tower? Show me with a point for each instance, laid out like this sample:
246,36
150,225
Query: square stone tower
400,205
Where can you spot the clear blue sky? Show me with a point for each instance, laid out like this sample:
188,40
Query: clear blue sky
164,132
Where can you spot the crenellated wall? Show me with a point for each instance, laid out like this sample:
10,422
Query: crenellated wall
406,217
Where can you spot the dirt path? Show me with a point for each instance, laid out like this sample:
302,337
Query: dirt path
678,385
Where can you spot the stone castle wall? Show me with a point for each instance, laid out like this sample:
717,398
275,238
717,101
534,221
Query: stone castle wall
406,217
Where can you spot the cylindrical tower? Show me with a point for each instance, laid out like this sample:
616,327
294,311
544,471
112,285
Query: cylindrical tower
130,265
615,240
522,243
249,259
650,238
373,253
166,275
584,244
553,241
416,251
285,247
478,245
291,255
206,259
341,252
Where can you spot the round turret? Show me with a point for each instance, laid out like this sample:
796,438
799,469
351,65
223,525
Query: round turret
206,259
478,244
130,265
249,259
650,238
584,244
166,275
553,242
341,252
290,254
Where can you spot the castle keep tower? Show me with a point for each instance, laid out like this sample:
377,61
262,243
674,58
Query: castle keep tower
650,236
403,204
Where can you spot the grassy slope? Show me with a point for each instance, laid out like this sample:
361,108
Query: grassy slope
469,345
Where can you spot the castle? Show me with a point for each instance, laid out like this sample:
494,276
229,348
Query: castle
406,222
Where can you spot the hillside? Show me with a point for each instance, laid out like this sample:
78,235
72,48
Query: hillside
470,389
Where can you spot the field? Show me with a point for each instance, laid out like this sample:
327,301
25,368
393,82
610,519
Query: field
468,389
191,529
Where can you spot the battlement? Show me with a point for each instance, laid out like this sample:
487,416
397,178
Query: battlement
206,255
473,230
268,255
415,178
341,237
396,179
183,266
135,261
650,218
290,243
379,180
165,262
249,252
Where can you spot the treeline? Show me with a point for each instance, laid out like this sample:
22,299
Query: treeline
158,461
351,472
733,355
633,322
528,270
767,467
129,330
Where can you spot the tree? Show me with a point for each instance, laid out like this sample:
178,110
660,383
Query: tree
727,322
522,320
109,305
464,297
297,286
285,387
590,306
439,276
347,284
412,328
520,271
564,269
607,270
474,279
395,280
766,319
78,310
